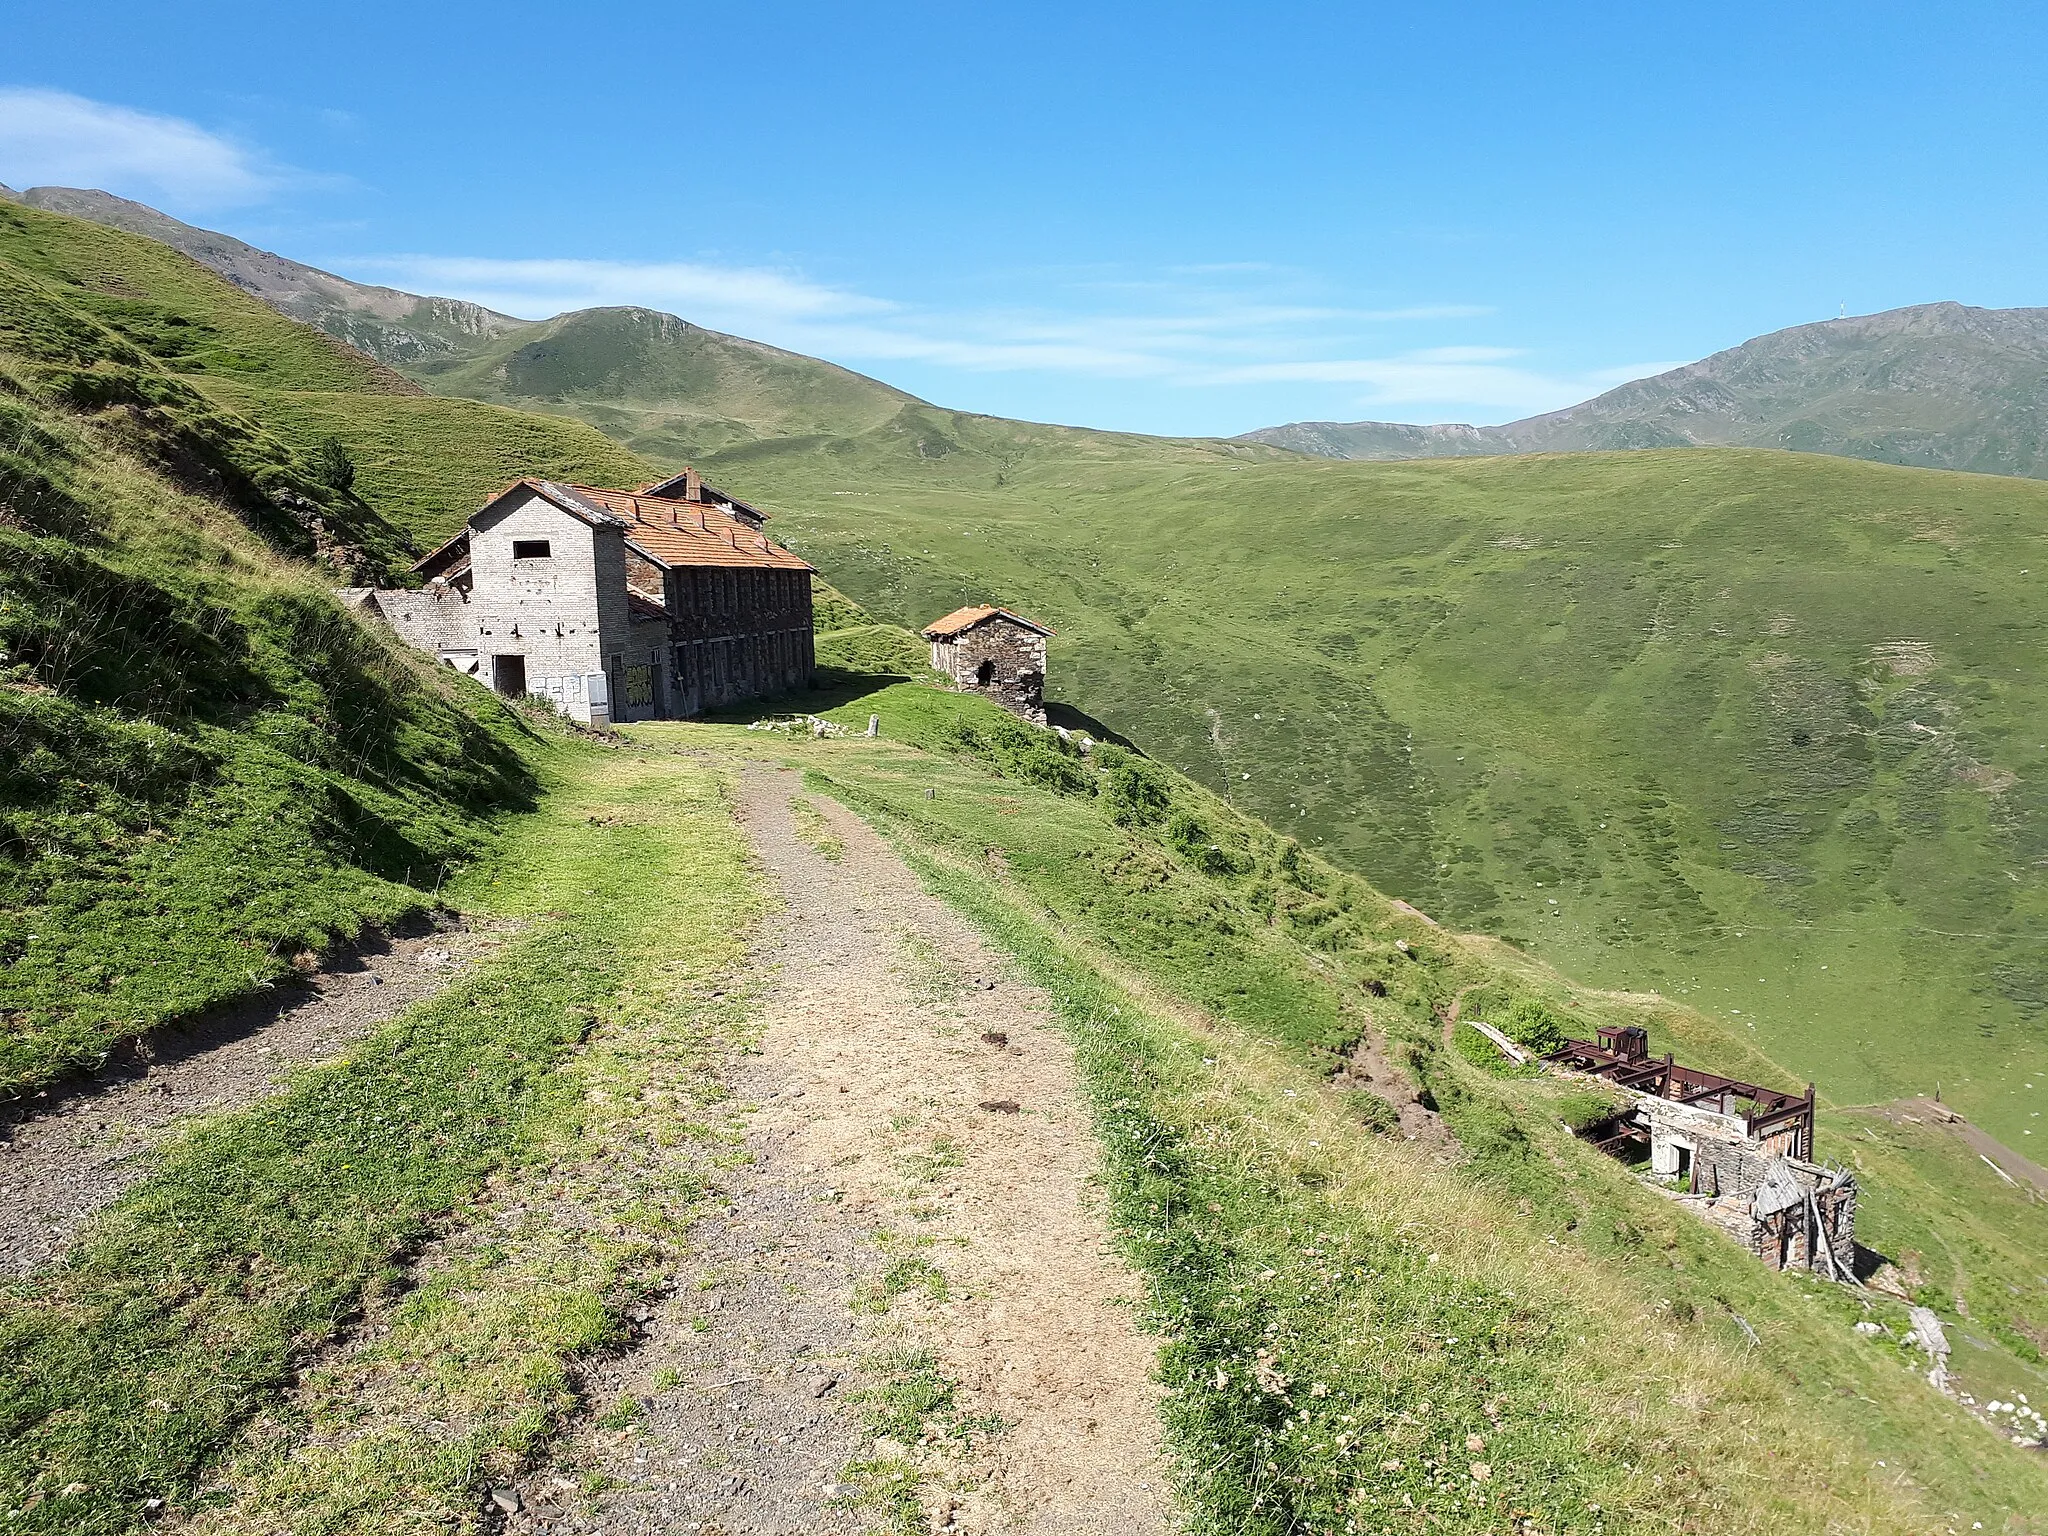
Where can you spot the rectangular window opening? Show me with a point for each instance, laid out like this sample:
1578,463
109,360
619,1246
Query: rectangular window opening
530,549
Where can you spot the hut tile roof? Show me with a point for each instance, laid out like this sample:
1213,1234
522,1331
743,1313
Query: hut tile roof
960,620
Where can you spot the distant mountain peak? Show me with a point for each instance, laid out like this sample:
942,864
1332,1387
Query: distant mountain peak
1941,386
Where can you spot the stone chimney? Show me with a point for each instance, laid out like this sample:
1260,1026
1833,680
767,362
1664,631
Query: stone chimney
693,485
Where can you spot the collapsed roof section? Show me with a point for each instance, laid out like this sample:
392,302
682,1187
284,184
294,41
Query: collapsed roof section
690,486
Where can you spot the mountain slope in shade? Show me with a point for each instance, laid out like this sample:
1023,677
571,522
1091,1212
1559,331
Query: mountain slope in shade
1941,386
401,329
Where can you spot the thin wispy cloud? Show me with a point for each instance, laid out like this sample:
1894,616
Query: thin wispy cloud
536,289
1211,327
53,138
1166,328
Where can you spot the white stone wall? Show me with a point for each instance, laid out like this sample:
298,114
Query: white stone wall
437,619
547,611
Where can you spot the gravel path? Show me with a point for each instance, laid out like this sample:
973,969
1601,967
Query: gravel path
915,1116
68,1152
2016,1166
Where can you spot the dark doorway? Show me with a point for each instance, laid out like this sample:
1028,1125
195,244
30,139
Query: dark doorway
508,676
985,673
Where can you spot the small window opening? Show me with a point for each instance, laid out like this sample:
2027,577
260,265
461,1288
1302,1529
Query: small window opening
530,549
985,673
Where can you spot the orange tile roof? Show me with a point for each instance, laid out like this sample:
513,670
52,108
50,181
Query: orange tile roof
690,532
960,620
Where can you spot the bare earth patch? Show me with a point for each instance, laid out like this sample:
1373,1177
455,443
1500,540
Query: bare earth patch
916,1224
69,1152
2017,1169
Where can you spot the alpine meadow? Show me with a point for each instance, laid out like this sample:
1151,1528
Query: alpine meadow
1242,1052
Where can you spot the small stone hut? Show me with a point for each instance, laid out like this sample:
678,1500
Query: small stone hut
995,652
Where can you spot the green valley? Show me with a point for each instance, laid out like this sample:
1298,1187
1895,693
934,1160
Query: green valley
1755,729
1742,747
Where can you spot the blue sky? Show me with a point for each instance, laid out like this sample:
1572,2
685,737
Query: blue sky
1196,219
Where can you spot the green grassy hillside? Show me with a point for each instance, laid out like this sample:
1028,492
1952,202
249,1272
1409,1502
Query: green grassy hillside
1757,729
239,398
206,767
667,388
426,462
180,313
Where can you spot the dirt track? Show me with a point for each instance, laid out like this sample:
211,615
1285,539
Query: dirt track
893,1047
2021,1170
68,1154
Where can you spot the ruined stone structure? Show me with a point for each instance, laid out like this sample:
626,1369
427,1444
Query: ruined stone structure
995,652
616,605
1745,1150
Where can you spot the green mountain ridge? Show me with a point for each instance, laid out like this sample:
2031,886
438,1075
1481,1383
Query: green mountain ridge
666,387
663,386
205,765
1938,386
1795,686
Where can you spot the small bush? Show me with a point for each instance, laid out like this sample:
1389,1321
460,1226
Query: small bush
1190,839
1374,1113
1137,792
1532,1025
334,465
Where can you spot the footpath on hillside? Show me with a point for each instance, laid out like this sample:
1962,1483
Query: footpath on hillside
906,1312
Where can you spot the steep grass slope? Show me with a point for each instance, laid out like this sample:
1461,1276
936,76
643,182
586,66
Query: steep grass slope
206,767
1756,729
393,327
107,309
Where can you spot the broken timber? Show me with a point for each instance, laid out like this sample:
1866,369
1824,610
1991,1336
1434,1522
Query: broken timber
1745,1150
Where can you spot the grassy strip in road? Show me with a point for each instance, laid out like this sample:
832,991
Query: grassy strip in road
195,1301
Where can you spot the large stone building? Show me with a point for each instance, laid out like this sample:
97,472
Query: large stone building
617,605
995,652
